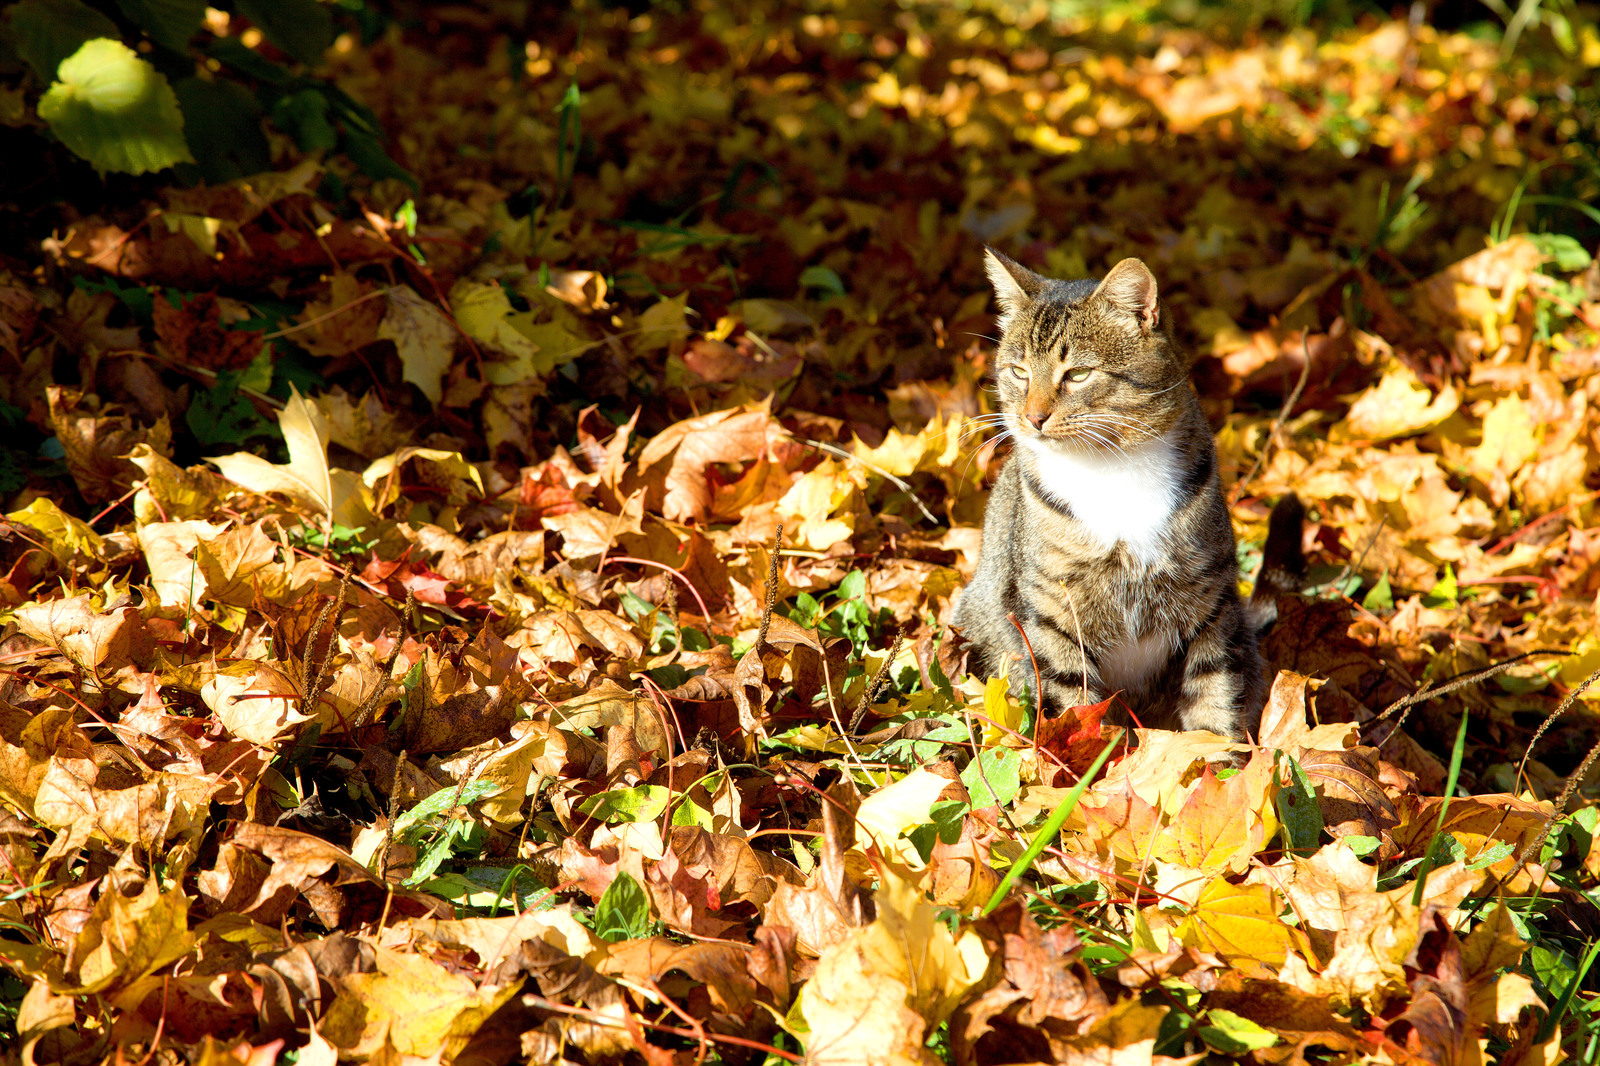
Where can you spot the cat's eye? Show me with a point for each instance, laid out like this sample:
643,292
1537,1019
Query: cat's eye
1019,372
1080,374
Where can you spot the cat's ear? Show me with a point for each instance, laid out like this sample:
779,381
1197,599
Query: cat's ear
1131,288
1015,286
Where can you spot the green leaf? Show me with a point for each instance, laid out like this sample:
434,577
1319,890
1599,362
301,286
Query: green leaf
1444,593
48,31
463,836
1233,1034
303,115
1568,255
221,416
993,777
302,28
169,23
1361,845
250,63
222,125
689,812
1490,856
818,277
623,912
115,110
366,152
1380,597
643,803
443,800
1298,811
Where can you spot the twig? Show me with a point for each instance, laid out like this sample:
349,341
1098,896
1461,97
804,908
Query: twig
1283,416
1429,691
1545,725
1350,568
388,831
849,456
772,588
705,612
1038,681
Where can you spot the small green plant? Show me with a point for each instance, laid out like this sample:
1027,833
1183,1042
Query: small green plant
844,614
439,827
340,540
623,911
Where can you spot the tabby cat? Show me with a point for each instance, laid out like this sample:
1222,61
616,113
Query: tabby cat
1106,536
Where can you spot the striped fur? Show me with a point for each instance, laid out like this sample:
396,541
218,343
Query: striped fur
1106,536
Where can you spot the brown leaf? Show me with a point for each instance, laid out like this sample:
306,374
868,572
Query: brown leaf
97,441
195,333
1044,994
672,467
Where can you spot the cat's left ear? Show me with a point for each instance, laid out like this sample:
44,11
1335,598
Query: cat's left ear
1131,288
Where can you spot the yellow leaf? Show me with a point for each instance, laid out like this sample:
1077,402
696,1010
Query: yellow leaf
1583,660
233,563
439,469
482,309
889,811
816,500
174,573
412,1003
1510,439
876,995
1223,823
257,706
1004,714
179,493
127,937
662,324
1238,922
65,536
306,478
424,337
1397,406
198,228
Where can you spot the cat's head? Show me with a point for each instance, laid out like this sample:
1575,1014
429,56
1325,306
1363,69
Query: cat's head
1089,366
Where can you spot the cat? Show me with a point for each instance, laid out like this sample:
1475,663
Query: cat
1106,536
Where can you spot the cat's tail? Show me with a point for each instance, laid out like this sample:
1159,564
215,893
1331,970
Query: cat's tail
1283,563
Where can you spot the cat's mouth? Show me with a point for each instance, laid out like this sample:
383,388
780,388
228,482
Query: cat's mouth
1081,435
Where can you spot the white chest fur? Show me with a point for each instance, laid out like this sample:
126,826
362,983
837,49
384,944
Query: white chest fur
1127,497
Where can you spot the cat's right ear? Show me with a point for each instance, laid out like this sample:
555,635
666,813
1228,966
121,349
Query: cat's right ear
1015,286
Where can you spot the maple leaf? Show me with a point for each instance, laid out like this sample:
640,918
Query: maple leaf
412,1004
306,478
876,994
672,467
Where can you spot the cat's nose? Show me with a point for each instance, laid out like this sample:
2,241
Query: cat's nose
1039,420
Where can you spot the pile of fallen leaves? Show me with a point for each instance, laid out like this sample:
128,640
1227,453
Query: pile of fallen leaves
502,618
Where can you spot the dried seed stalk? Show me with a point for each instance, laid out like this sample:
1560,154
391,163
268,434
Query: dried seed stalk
869,695
313,675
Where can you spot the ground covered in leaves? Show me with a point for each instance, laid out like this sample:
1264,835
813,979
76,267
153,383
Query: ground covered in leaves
402,660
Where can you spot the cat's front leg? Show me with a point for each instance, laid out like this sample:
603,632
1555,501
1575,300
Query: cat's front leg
1215,676
1069,677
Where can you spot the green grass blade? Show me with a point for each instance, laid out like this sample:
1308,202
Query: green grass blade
1449,790
1051,827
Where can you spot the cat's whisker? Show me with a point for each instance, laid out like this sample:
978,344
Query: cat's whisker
996,442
